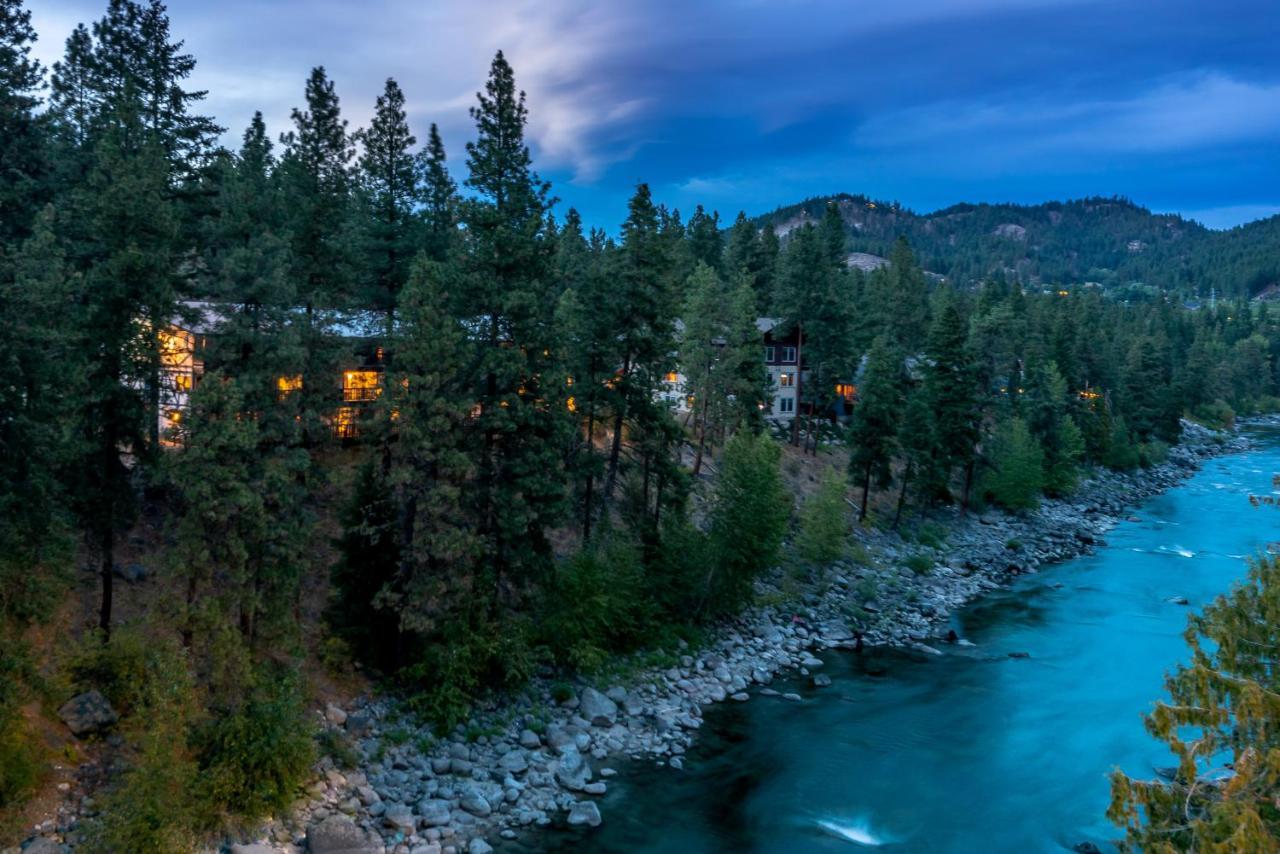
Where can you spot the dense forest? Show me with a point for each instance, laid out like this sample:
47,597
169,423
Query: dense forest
1105,242
519,500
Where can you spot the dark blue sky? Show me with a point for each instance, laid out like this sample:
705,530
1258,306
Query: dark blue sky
747,104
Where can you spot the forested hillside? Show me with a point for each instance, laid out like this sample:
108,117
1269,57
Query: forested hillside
1113,242
488,487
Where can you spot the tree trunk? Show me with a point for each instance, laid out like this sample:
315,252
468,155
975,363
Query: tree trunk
590,484
866,492
702,437
968,485
108,546
902,498
795,420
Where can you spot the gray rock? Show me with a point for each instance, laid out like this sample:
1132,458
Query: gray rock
529,740
597,708
87,713
475,803
129,572
479,846
256,848
434,812
335,715
338,834
572,771
359,724
43,845
584,812
514,762
400,817
822,680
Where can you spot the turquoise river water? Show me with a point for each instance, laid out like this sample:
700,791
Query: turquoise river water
971,751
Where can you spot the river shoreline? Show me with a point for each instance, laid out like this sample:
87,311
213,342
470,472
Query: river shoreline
541,760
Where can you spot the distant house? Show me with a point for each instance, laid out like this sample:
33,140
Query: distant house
355,385
782,350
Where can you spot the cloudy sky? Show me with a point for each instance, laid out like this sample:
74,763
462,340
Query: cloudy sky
751,104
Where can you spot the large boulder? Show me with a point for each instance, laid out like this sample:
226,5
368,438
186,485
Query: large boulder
572,771
585,812
87,713
434,812
475,803
597,708
338,834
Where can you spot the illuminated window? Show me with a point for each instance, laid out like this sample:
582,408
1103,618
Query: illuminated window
174,416
344,422
770,353
786,404
789,354
786,380
361,385
176,347
846,391
571,404
672,377
182,382
568,381
286,386
688,401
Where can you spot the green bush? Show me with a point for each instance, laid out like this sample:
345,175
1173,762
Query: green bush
920,564
151,810
21,760
931,535
1121,453
254,757
824,521
154,806
1217,415
471,656
595,605
1017,474
750,513
121,669
1152,453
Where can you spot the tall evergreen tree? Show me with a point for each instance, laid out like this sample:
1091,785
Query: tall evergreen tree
437,197
23,133
520,391
388,185
953,398
873,429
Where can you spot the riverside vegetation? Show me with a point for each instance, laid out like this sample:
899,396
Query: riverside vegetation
522,509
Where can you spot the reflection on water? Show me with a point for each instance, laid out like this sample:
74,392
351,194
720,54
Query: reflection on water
972,751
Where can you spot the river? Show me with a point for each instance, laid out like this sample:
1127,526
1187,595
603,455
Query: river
974,750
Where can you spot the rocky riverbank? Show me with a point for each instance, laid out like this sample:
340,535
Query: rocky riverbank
543,756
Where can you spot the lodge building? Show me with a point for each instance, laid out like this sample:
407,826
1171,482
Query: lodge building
358,382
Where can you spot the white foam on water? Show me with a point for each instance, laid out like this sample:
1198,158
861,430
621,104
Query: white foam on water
858,832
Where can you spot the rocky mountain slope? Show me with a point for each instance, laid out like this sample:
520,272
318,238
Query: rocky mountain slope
1111,242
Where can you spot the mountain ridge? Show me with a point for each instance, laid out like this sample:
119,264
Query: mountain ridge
1109,241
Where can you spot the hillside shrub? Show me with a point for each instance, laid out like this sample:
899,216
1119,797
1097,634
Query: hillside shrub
1017,474
824,521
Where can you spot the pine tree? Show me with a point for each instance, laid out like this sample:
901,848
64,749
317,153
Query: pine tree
586,318
388,186
316,179
122,231
953,399
437,197
1017,460
23,133
521,387
1220,723
219,516
918,449
701,342
644,309
430,472
704,244
873,429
